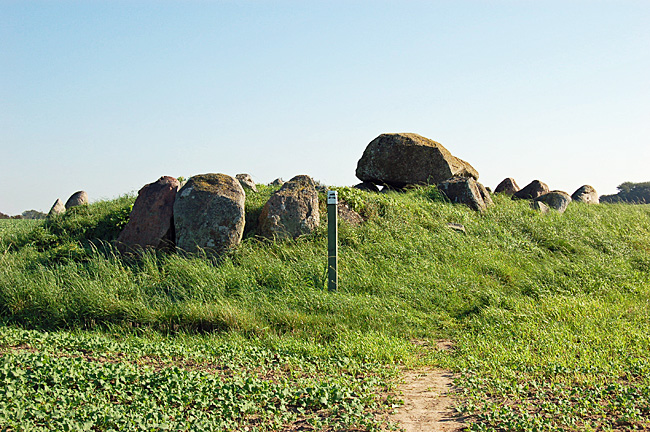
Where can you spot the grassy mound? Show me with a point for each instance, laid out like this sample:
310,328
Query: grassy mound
549,313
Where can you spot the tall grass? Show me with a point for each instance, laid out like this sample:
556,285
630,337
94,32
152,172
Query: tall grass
402,273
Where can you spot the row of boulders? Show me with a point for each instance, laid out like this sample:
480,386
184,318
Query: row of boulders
76,199
208,212
399,160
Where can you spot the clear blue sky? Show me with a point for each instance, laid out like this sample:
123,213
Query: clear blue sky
107,96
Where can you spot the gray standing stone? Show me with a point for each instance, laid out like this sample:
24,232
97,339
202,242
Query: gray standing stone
77,199
151,222
532,190
586,194
291,211
463,190
557,200
401,159
246,181
507,186
209,213
57,209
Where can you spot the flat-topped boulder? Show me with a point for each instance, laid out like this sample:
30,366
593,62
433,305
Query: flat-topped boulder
151,222
401,159
209,214
77,199
291,211
586,194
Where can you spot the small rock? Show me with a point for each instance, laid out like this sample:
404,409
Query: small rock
291,211
463,190
209,213
277,182
77,199
456,227
348,215
532,190
539,206
246,181
558,200
57,209
151,222
586,194
507,186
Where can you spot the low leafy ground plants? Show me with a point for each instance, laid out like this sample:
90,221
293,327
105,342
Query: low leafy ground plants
92,381
549,314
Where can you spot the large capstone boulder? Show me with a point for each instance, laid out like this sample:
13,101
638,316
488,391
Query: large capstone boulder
464,190
57,208
532,190
586,194
291,211
77,199
507,186
209,214
246,181
558,200
151,222
401,159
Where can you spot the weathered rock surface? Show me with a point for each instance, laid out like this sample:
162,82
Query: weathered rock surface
209,213
507,186
485,194
246,181
57,208
291,211
586,194
277,182
77,199
558,200
367,186
151,222
532,190
464,190
401,159
539,206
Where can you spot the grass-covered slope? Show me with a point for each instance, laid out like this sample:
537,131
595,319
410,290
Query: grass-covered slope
549,313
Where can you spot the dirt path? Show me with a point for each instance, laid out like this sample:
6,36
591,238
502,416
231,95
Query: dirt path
427,403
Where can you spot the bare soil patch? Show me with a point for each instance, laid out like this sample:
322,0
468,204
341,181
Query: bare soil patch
428,403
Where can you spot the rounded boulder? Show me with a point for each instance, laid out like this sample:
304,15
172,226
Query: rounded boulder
209,214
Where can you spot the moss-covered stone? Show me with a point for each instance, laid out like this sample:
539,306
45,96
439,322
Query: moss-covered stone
209,213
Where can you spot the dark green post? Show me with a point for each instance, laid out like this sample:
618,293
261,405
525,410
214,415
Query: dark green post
332,241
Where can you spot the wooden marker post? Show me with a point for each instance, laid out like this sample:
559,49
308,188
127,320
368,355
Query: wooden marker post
332,240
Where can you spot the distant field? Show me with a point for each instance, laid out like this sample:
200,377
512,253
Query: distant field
549,317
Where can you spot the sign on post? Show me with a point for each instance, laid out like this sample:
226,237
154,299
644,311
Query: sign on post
332,240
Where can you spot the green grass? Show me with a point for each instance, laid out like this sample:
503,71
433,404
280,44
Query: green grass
549,313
